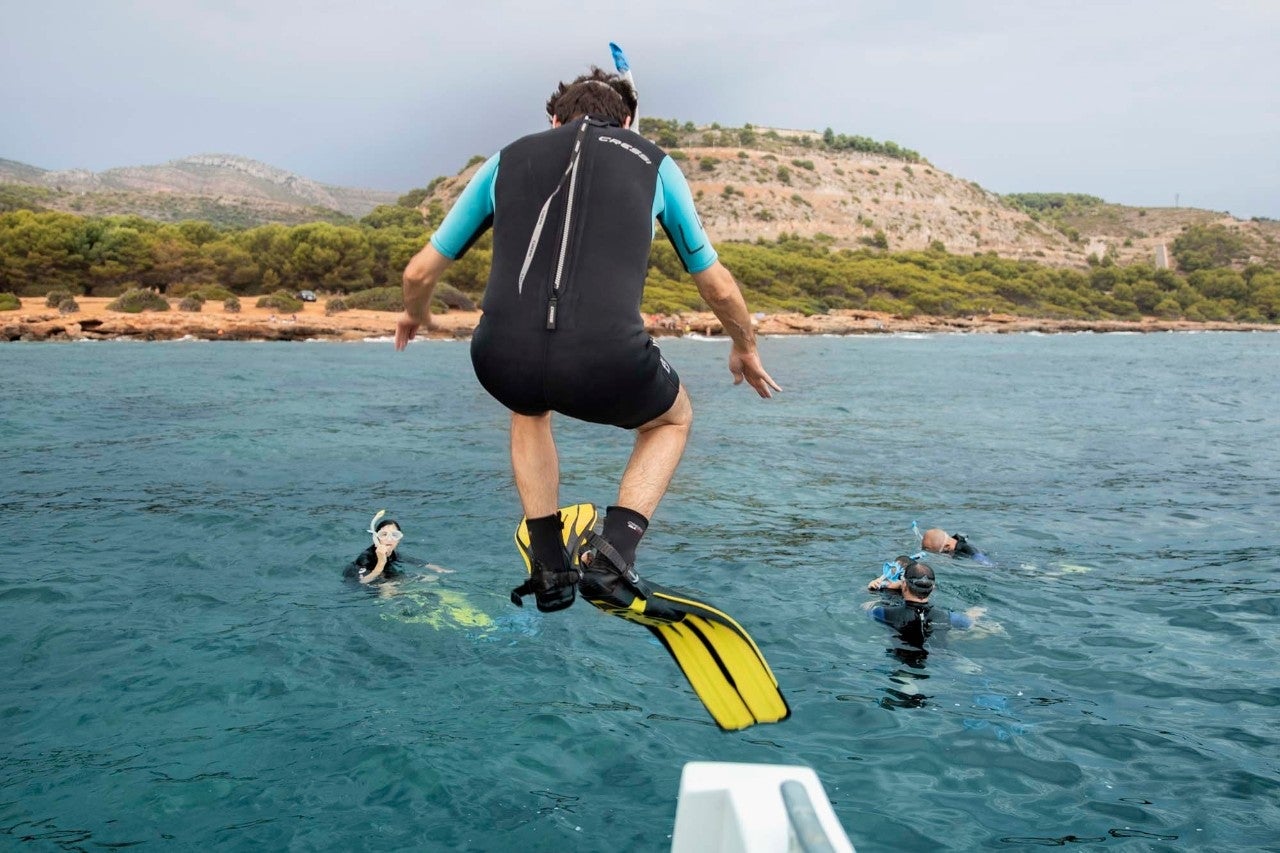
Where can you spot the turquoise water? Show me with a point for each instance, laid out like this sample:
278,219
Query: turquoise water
182,665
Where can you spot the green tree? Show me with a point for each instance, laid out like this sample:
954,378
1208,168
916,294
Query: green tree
1201,247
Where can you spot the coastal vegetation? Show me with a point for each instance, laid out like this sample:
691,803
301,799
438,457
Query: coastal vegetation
59,255
136,300
673,133
881,258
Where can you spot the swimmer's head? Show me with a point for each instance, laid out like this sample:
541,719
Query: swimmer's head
384,530
935,539
919,578
597,93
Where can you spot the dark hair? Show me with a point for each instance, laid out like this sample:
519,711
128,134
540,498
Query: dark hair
384,523
919,577
598,93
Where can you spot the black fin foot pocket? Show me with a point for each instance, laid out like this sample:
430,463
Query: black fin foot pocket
607,577
552,591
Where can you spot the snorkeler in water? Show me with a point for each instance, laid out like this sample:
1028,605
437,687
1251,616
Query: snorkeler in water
381,563
915,619
378,562
937,541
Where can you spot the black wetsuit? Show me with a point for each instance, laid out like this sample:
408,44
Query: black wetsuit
915,622
368,561
572,212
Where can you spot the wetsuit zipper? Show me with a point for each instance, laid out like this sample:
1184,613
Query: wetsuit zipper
568,224
570,172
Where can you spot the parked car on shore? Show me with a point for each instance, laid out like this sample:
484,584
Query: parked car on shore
307,295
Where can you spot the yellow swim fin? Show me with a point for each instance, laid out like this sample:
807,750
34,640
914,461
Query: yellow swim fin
718,657
723,664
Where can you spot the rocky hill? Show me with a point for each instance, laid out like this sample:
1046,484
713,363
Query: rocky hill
754,182
221,188
751,183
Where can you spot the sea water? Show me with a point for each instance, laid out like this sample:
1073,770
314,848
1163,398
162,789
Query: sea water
182,666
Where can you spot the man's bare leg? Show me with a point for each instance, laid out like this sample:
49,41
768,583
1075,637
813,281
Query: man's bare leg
537,473
535,463
659,446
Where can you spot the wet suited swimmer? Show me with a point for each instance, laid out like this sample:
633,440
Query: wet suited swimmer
915,618
938,541
379,562
572,211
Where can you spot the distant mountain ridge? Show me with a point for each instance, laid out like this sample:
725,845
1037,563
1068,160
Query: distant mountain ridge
750,183
249,189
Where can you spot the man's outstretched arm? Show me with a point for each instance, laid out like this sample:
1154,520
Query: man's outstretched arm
420,277
722,294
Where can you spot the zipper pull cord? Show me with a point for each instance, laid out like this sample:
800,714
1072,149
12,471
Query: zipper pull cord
546,205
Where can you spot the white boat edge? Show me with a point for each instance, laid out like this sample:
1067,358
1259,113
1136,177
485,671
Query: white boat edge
726,807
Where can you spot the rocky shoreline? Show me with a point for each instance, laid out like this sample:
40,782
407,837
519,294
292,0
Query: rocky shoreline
94,322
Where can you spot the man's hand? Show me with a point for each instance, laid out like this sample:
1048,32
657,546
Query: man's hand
746,365
407,328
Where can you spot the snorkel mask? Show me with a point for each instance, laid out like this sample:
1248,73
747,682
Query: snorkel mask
393,535
892,570
921,585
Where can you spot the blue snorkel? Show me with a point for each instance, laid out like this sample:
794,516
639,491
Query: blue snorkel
624,68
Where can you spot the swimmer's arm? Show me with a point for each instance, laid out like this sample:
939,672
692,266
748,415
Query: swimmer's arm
420,277
968,618
879,584
722,294
377,570
875,610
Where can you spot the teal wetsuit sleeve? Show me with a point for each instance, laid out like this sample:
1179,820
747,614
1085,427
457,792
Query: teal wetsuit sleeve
673,207
471,215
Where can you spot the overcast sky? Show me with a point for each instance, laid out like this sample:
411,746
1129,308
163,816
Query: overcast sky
1141,103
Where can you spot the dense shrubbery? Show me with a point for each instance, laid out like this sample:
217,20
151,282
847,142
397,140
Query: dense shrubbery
191,304
795,274
68,305
839,142
135,301
336,305
281,300
1202,247
9,302
102,256
231,305
451,297
45,252
54,298
1043,202
377,299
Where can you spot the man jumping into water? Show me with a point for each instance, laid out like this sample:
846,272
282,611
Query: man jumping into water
572,211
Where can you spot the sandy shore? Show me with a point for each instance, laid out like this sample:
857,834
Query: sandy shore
34,322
